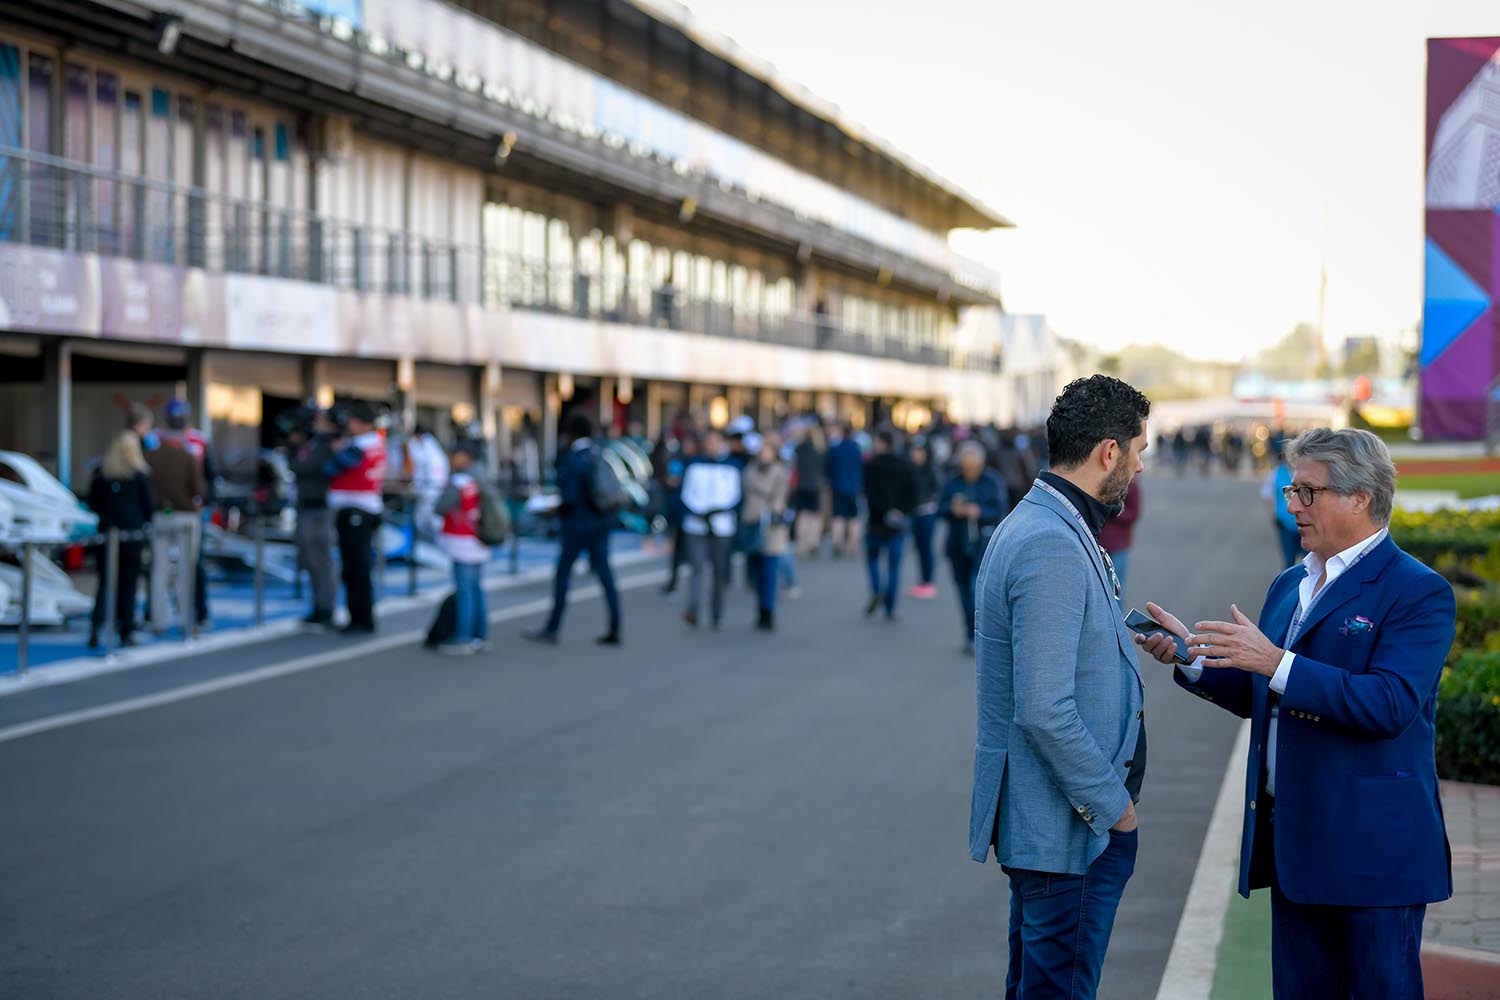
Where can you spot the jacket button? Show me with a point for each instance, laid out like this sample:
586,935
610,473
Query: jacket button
1252,805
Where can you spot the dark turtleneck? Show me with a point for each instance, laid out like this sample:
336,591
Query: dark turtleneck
1095,513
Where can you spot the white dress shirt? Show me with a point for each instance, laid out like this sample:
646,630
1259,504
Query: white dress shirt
1320,576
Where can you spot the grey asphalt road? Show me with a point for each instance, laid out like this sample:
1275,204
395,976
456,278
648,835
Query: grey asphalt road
694,815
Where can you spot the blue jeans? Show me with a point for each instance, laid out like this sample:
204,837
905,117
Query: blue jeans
788,563
965,578
1060,924
471,618
892,546
768,581
922,528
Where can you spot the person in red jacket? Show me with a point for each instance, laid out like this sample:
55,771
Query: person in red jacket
458,506
1116,534
354,496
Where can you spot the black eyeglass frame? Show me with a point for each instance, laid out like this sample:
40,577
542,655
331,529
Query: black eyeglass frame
1306,494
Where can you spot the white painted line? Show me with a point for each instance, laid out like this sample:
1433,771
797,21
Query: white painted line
1190,965
83,667
297,666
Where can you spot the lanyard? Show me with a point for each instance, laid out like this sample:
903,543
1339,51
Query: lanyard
1109,563
1302,613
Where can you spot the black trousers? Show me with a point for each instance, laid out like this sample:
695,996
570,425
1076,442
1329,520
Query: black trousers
595,545
356,533
126,585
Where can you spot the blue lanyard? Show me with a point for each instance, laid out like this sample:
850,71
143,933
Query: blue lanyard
1302,614
1109,563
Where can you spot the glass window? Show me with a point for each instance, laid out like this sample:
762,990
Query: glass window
106,156
10,135
46,184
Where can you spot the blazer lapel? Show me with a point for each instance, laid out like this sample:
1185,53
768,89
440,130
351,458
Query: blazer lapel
1122,634
1347,587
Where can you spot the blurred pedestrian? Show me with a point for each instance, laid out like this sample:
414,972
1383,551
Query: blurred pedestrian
811,481
676,466
426,468
845,467
458,506
924,518
1282,519
766,485
973,503
177,484
180,433
890,498
312,453
120,493
585,530
1119,531
357,479
711,493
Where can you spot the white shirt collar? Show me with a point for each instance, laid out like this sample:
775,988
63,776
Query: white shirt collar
1337,564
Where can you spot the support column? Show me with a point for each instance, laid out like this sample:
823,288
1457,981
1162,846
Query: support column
496,434
406,393
315,385
57,405
653,411
606,404
551,414
198,377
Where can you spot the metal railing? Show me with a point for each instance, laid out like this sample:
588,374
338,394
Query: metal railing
52,202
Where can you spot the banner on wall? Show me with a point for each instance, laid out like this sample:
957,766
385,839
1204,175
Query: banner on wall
1460,355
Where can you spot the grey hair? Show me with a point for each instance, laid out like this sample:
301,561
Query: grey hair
971,447
1358,462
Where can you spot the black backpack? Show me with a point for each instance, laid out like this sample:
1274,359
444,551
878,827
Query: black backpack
606,495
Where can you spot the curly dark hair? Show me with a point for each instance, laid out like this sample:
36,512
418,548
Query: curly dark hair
1090,410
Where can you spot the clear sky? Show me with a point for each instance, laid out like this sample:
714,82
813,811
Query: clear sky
1173,165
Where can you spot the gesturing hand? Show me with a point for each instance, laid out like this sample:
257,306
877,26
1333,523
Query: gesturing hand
1159,644
1237,644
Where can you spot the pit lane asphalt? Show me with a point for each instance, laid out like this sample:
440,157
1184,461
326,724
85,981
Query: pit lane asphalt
697,814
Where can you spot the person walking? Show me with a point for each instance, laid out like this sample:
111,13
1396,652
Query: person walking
458,508
1059,752
676,466
890,498
711,493
973,503
585,531
314,535
845,469
766,486
180,433
177,485
1343,821
120,493
809,468
427,470
1282,519
1119,532
357,477
924,518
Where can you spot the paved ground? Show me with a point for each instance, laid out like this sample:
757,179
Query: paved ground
1471,919
696,815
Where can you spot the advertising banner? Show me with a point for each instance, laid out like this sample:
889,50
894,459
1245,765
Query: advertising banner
1460,355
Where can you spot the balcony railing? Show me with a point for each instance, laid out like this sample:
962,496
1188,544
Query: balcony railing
62,204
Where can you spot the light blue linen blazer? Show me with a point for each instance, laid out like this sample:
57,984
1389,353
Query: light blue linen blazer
1059,695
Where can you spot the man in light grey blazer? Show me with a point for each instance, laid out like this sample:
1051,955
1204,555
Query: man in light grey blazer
1061,741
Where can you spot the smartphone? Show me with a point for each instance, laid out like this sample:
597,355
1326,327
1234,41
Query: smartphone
1148,626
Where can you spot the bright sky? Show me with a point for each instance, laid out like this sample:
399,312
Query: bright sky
1170,163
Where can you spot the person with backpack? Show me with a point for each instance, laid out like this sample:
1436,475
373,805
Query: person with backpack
591,499
466,539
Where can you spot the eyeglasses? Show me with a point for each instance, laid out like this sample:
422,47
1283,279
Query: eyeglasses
1304,494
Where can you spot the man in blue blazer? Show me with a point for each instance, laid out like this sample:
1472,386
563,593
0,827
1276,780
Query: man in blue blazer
1339,679
1060,753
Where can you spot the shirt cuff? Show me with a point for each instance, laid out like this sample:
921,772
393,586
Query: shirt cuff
1283,672
1192,671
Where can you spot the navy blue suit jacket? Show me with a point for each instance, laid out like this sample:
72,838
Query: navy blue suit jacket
1358,818
577,515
